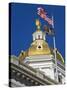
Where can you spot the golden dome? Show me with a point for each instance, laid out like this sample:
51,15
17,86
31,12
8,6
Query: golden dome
43,50
37,49
33,51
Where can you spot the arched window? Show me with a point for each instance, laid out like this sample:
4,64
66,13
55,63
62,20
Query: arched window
38,36
60,78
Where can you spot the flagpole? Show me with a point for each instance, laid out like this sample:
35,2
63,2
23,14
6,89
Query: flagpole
55,50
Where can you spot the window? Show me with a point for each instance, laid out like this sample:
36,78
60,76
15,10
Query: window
60,78
38,36
55,70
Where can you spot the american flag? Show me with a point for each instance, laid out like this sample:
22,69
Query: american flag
43,14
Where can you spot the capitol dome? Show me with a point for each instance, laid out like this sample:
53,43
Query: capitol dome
39,46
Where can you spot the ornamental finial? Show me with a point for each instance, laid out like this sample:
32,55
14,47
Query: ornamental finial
38,24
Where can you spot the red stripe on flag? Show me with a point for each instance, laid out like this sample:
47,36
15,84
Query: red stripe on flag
42,13
48,20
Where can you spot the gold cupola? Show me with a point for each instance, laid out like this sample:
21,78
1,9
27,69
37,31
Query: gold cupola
39,45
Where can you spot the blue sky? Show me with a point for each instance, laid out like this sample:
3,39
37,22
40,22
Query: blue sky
23,18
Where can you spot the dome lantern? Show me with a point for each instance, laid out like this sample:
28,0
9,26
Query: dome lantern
38,34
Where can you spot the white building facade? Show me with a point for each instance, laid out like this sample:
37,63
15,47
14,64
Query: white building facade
41,57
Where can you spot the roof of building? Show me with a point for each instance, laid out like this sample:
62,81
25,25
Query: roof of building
34,51
45,51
